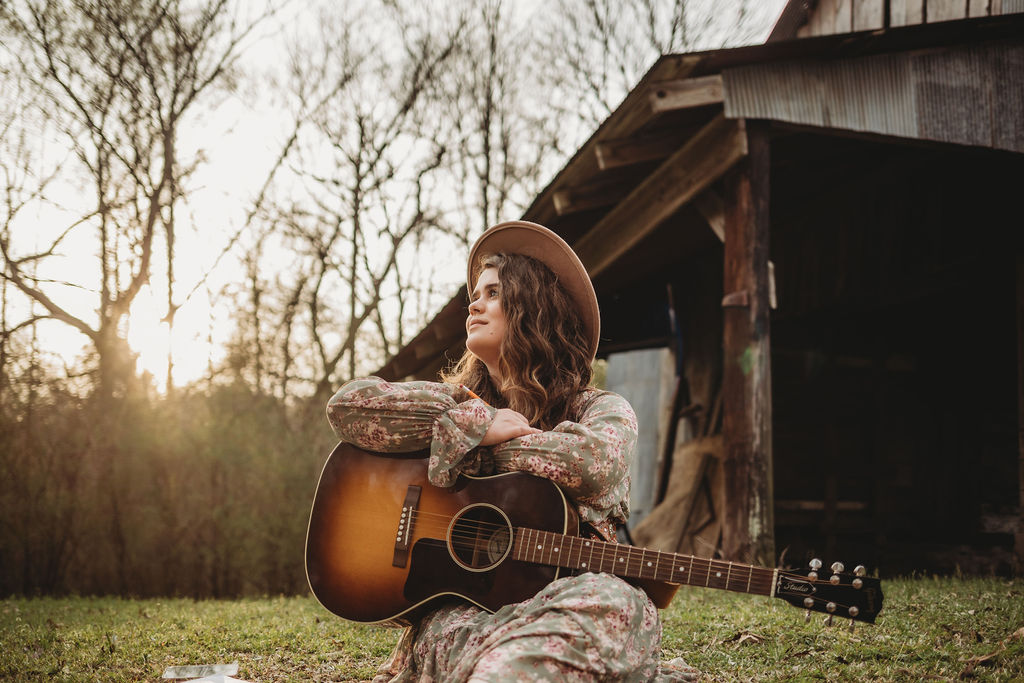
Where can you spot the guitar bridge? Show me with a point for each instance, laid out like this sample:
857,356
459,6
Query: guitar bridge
405,522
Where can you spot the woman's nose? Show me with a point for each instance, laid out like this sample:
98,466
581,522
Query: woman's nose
474,306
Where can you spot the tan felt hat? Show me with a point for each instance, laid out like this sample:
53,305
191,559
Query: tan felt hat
536,241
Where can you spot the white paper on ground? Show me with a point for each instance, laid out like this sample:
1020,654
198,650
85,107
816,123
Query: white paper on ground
193,671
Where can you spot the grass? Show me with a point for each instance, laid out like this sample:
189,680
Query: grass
930,629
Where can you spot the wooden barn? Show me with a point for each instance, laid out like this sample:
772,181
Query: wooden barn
824,235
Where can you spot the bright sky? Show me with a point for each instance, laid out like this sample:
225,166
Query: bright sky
240,141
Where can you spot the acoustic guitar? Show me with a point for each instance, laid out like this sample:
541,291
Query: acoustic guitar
385,545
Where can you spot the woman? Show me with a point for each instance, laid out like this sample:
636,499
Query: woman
520,400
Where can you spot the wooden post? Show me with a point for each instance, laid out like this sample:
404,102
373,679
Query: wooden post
748,532
1019,537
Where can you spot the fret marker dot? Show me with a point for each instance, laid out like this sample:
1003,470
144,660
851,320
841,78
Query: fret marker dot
620,559
584,564
649,564
540,547
556,550
718,575
587,544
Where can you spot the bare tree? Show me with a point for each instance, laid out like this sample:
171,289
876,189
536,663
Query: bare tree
364,184
120,78
506,135
599,49
21,183
424,132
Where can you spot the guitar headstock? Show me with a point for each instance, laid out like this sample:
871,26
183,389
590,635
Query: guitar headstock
851,595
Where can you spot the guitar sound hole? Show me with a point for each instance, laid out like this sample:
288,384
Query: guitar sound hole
480,537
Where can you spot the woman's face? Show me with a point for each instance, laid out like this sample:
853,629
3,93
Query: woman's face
486,324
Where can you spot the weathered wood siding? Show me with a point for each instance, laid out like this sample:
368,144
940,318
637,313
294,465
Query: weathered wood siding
967,95
844,16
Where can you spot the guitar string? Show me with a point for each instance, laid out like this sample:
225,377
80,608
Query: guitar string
630,555
698,568
759,585
819,601
468,526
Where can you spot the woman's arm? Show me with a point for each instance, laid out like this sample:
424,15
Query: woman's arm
395,417
588,459
507,425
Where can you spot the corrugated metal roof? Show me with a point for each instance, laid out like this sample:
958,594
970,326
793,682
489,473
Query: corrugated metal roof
969,95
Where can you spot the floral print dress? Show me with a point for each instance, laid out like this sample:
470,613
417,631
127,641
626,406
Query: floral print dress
578,628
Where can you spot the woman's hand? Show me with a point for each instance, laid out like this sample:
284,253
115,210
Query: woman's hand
507,425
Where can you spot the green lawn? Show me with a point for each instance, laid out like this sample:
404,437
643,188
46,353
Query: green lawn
930,629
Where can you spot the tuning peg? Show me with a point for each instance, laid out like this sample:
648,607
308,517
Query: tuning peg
859,570
815,565
836,568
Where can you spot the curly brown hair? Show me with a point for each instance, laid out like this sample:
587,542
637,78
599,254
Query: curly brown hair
543,360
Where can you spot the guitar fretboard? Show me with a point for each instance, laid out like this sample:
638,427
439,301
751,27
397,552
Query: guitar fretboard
585,554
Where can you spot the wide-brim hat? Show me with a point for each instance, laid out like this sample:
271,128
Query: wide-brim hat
531,239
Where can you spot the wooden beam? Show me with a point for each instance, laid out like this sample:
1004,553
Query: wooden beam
444,332
712,208
704,159
636,150
748,528
589,196
633,114
685,93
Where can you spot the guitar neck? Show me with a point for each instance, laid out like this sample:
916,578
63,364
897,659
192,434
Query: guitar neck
585,554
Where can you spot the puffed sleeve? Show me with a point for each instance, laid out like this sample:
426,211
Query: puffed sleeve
396,417
589,459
